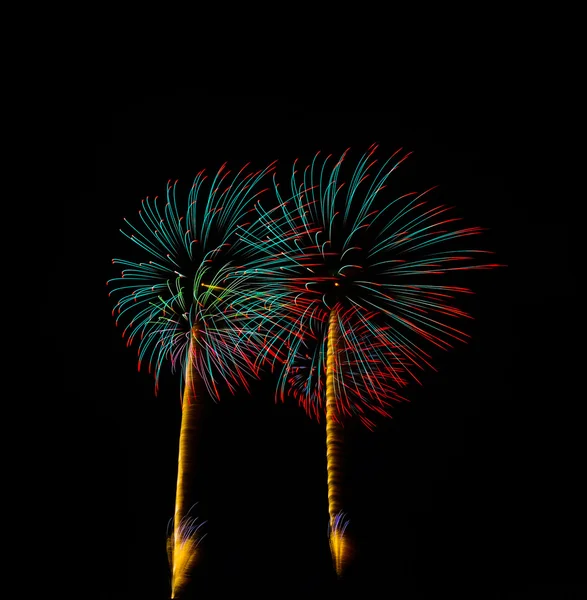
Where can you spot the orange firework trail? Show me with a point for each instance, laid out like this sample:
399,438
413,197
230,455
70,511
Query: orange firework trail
183,544
334,442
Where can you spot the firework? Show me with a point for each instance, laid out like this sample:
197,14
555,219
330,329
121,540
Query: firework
363,287
184,304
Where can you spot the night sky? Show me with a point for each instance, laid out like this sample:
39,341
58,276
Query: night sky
471,490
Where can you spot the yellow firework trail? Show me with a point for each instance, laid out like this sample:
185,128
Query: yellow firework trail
183,543
339,545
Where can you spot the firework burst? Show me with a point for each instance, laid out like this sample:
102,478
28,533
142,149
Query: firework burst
188,284
185,304
363,285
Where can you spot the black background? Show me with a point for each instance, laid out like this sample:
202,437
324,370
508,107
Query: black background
472,490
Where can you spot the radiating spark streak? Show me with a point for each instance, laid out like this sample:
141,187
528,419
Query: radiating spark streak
397,242
157,306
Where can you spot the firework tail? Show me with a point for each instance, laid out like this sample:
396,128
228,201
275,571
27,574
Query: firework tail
183,543
334,444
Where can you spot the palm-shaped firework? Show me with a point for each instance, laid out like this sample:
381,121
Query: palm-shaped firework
361,290
185,304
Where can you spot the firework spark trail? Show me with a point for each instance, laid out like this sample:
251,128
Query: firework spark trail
334,444
185,541
189,303
388,266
